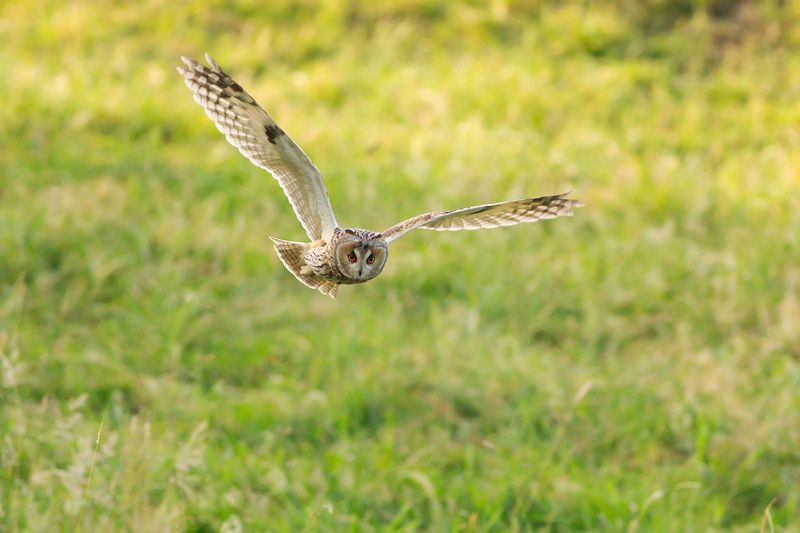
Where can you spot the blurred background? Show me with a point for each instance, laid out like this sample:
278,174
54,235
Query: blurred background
634,368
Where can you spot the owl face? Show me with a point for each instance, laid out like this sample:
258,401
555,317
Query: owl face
360,255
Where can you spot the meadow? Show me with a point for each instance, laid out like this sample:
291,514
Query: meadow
633,368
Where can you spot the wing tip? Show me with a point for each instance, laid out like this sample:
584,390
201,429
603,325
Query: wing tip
194,64
570,203
210,60
191,66
191,63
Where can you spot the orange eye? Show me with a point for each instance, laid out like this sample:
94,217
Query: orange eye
370,259
351,257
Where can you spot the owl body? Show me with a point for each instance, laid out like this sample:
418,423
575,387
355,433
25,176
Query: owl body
350,256
334,256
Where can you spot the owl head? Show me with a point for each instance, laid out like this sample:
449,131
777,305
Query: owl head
360,254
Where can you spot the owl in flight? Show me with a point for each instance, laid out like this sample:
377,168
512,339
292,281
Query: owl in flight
335,255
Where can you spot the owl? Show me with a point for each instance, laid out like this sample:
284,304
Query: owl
334,255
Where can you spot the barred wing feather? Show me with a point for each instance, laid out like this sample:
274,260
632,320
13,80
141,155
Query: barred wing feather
487,216
248,127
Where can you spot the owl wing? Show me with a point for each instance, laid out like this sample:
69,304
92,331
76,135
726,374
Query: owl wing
488,215
249,128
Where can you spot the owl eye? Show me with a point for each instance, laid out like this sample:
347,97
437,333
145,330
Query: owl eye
370,259
352,257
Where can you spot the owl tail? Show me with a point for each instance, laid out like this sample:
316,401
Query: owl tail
291,255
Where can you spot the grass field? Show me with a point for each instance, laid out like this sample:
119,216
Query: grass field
634,368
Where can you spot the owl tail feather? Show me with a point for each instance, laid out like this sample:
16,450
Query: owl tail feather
291,255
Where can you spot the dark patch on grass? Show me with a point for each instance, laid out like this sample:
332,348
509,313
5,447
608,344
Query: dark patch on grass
200,526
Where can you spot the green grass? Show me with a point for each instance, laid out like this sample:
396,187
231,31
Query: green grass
634,368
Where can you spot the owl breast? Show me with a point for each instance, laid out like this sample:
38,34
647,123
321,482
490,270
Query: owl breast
318,261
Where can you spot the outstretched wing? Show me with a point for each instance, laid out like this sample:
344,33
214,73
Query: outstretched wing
488,215
249,128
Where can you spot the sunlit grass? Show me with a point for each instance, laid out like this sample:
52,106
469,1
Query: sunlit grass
632,368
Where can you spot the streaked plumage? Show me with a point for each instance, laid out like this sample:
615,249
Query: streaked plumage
334,256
